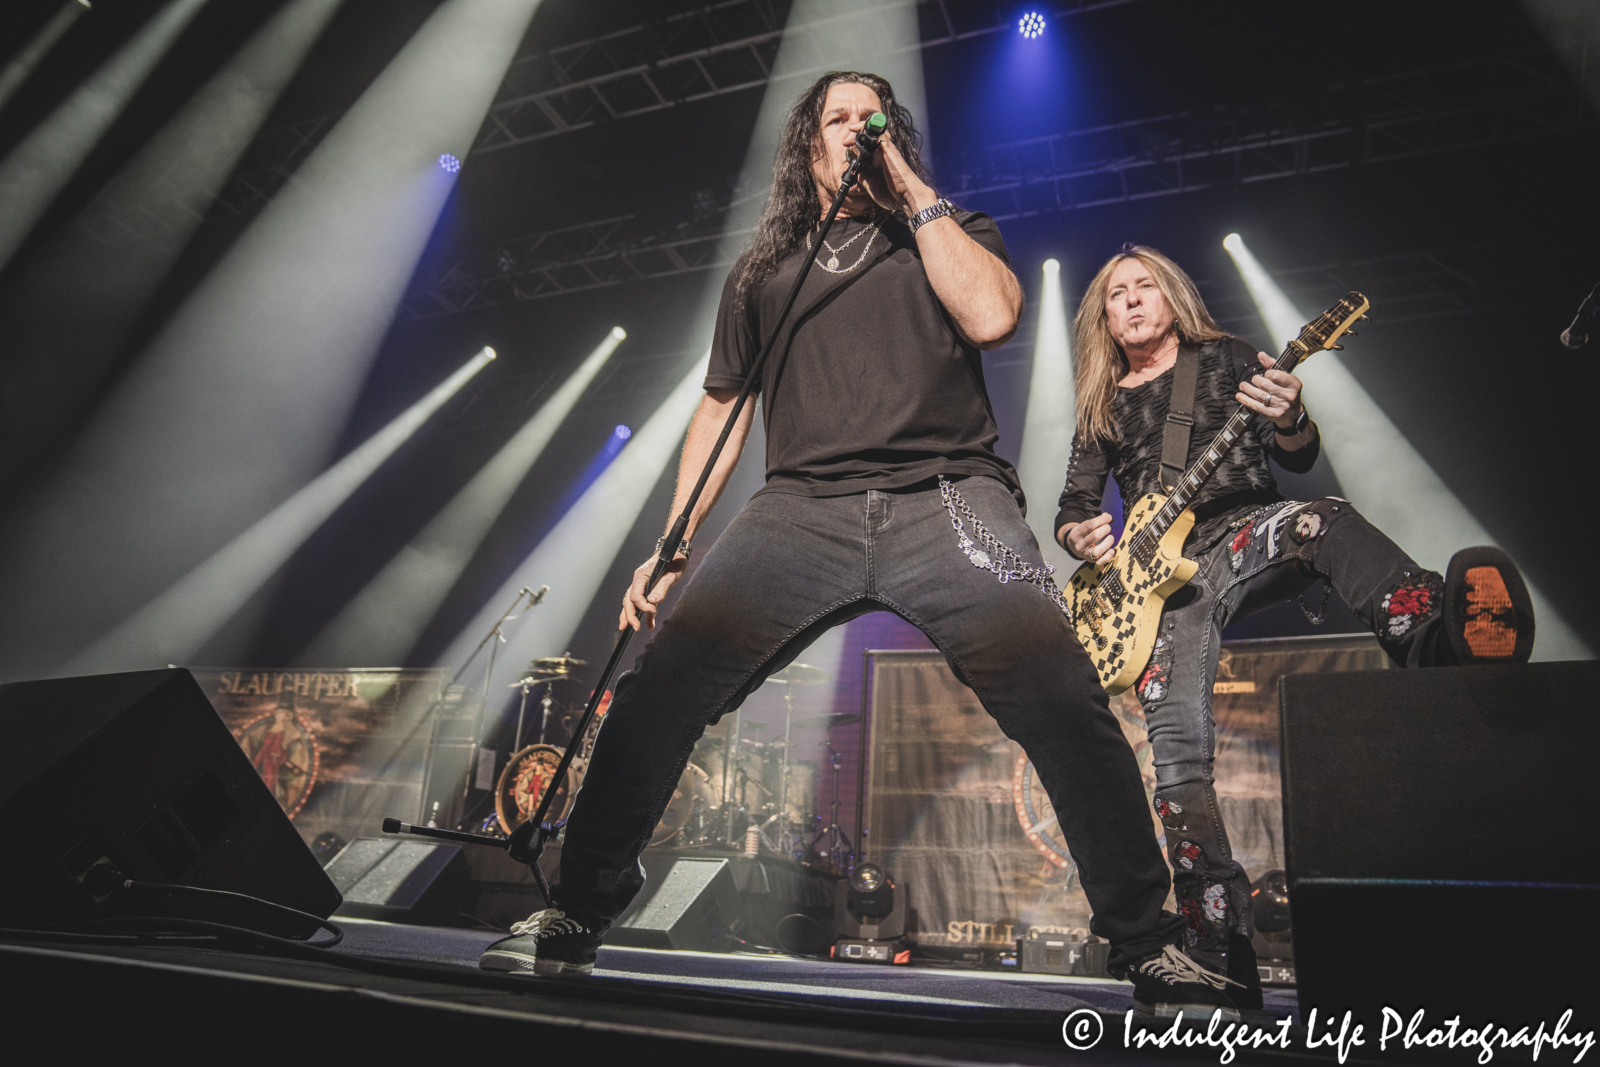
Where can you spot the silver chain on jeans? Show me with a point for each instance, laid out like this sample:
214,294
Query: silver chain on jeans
991,554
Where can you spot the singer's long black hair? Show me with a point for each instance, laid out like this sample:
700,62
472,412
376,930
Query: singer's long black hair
793,207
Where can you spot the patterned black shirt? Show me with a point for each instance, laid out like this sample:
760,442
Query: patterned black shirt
1242,480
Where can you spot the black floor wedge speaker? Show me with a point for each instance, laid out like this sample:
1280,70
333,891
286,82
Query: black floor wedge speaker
402,881
1436,825
685,904
139,772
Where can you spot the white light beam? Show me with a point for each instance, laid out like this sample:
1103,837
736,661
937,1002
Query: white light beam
383,622
174,626
242,396
113,260
36,170
23,63
1047,430
574,558
1388,480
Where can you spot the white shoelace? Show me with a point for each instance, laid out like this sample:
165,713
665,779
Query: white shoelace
547,923
1176,967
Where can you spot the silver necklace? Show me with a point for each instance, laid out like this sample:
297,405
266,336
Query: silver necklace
832,266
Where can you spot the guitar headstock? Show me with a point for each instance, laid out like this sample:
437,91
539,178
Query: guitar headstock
1324,331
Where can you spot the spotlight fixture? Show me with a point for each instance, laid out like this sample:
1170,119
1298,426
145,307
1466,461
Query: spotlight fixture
867,878
622,433
1032,25
619,333
1233,242
870,918
1269,902
449,164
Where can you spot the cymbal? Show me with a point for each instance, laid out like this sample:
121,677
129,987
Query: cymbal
801,674
829,721
561,664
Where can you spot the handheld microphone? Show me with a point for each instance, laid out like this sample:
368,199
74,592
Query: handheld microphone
1577,335
868,136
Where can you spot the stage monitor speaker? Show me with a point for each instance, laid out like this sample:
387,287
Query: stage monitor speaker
685,904
138,771
1433,824
401,881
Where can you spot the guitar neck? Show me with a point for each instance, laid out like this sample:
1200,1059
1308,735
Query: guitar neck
1200,471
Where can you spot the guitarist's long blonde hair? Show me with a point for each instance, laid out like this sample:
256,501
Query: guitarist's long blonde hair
1099,362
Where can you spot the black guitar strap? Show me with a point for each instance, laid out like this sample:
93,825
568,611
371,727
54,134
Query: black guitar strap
1180,418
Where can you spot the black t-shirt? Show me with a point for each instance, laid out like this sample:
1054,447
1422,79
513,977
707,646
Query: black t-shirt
870,386
1243,479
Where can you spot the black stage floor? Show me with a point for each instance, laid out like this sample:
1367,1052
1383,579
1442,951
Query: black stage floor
417,992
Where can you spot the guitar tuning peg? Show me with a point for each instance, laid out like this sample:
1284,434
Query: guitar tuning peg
1351,333
1366,318
1338,348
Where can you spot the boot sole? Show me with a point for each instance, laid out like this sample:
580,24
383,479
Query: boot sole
509,963
1198,1012
1488,612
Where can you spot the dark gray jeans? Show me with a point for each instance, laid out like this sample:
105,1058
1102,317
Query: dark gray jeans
1268,556
789,567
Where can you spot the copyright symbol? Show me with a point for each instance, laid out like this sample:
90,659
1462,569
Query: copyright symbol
1082,1029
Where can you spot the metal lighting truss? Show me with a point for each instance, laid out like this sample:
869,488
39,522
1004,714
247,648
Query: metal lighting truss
1412,285
720,48
1470,104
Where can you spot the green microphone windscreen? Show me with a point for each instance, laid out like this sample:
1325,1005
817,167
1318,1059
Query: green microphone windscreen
878,122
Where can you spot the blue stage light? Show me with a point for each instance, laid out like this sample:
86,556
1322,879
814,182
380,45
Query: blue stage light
622,433
1032,25
449,164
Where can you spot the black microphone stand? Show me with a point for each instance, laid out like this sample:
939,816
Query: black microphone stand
526,842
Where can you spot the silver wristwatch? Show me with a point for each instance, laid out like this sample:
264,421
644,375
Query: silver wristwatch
939,209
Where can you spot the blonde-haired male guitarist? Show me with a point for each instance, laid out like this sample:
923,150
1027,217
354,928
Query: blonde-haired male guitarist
1140,315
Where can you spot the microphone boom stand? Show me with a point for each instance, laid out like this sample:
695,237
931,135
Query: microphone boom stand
526,842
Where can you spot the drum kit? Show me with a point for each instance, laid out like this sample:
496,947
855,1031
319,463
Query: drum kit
741,789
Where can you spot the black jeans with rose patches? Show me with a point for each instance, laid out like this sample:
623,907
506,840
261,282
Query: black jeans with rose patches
788,568
1266,556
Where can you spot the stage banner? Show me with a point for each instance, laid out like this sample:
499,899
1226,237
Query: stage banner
955,812
340,749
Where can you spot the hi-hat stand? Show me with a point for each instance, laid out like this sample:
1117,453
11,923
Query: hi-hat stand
526,842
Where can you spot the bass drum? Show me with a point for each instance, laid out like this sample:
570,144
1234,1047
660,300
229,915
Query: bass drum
523,782
694,791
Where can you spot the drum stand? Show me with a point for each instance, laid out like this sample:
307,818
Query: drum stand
730,752
840,847
784,840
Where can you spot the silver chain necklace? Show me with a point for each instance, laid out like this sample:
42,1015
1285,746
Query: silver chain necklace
832,266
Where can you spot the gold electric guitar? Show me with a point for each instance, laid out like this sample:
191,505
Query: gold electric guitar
1116,606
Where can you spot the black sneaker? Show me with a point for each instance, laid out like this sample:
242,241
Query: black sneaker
1167,982
548,942
1242,968
1488,614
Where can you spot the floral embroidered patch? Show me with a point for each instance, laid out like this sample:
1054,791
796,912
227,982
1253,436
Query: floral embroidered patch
1409,604
1171,814
1216,903
1188,852
1152,686
1237,547
1194,920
